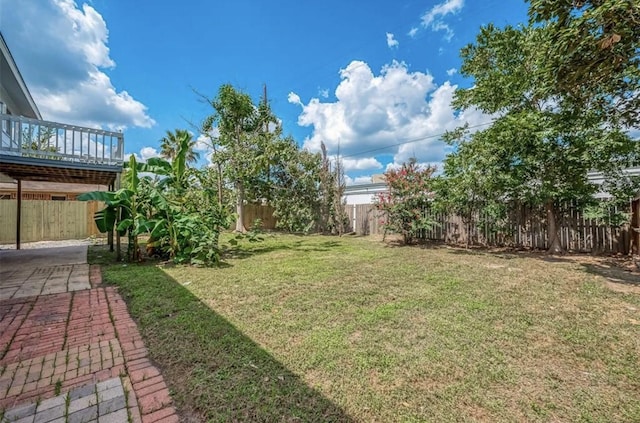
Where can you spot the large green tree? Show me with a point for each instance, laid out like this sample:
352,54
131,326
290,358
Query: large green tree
296,188
539,148
251,156
466,188
242,143
594,59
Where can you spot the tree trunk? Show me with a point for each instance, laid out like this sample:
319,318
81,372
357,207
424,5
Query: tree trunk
467,225
552,230
219,167
118,248
240,207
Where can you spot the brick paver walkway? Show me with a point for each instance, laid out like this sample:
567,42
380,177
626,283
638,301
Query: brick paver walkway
69,354
102,402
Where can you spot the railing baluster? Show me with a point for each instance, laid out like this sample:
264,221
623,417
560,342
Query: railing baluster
120,148
28,136
37,138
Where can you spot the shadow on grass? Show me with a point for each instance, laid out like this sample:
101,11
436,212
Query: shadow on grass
214,371
394,241
614,274
246,250
616,270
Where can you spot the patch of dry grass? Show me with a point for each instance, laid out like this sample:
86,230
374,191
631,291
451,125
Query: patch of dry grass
377,333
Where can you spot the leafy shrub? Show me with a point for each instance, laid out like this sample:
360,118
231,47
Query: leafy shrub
408,196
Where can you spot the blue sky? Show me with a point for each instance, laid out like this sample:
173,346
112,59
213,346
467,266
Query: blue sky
358,75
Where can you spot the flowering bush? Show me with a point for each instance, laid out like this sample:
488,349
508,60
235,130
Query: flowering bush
407,198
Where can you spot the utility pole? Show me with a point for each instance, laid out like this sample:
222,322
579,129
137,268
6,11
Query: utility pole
266,105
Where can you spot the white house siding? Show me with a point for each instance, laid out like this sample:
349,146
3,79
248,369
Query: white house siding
354,199
363,194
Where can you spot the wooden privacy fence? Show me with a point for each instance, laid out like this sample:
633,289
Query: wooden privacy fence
46,220
364,219
523,229
252,212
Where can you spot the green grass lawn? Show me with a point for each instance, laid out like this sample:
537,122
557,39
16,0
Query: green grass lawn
350,329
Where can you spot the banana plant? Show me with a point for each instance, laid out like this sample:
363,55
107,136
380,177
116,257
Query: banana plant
161,209
123,208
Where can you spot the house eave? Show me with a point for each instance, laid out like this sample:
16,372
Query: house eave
13,82
366,188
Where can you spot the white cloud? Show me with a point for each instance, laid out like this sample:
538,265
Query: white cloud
391,41
441,10
65,63
441,118
143,155
202,142
441,26
374,112
452,71
148,152
366,163
127,156
89,34
294,98
413,32
324,93
433,19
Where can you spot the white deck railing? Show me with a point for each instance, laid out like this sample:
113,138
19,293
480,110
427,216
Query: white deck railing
57,141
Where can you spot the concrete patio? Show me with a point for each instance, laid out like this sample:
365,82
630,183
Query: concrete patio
27,273
69,351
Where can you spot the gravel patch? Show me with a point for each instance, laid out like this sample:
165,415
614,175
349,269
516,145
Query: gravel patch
50,244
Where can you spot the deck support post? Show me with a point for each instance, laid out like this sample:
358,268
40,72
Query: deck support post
110,233
18,215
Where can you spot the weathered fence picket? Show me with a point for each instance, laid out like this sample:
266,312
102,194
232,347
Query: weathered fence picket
525,228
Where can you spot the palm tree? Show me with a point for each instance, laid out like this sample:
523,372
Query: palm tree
171,142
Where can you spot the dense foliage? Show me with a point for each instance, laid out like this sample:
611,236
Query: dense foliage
172,142
540,147
180,216
594,59
408,197
183,209
244,144
261,166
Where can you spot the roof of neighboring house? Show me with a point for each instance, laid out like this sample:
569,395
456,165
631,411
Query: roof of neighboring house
54,187
12,85
374,187
598,177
